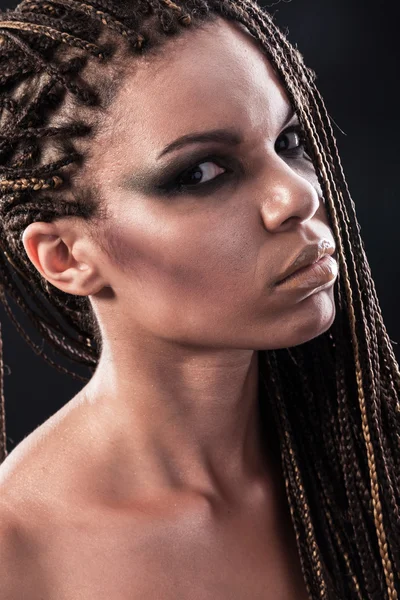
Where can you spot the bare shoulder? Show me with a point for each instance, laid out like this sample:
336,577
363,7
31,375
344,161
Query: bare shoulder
14,556
18,523
33,476
23,519
30,492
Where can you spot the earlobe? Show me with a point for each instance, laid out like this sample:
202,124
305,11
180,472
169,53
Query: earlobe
54,255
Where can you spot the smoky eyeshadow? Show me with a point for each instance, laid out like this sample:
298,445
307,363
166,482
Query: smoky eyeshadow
160,178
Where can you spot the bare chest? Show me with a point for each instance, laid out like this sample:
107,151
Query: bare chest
125,561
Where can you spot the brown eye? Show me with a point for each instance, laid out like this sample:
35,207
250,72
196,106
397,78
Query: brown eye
293,142
289,141
200,174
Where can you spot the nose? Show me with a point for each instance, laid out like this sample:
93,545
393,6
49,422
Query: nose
287,198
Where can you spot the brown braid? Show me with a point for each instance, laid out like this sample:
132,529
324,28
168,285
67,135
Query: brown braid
54,34
334,399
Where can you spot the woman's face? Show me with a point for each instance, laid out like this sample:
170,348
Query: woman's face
199,233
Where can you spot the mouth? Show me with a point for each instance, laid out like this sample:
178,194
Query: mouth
319,274
309,255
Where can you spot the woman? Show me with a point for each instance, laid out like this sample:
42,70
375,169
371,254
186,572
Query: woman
166,169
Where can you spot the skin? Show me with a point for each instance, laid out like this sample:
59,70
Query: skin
184,286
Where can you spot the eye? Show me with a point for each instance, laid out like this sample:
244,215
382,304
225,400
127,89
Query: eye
293,141
200,174
205,174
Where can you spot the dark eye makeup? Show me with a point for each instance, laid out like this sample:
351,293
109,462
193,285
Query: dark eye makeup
291,142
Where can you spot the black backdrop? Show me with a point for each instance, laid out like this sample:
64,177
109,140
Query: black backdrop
353,47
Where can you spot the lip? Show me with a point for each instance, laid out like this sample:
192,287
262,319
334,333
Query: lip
309,255
317,276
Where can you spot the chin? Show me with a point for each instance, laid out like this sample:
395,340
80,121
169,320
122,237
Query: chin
320,314
314,315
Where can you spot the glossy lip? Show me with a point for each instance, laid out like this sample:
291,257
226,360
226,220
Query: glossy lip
308,256
315,277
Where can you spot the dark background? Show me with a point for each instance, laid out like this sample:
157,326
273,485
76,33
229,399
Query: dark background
353,47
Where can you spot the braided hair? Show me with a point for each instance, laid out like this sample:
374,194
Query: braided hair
334,399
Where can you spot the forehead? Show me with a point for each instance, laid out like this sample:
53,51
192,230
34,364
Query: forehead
213,77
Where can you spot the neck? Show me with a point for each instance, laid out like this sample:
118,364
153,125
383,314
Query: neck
176,418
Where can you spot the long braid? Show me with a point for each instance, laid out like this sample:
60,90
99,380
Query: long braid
322,164
369,294
390,401
340,390
383,450
375,314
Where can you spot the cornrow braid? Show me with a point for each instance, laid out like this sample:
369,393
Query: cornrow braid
334,399
91,11
85,95
55,35
30,184
42,132
19,171
9,104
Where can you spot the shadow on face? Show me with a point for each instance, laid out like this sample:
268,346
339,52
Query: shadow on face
211,196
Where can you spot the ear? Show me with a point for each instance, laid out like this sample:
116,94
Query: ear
63,255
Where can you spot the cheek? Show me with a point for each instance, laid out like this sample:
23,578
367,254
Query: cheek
186,260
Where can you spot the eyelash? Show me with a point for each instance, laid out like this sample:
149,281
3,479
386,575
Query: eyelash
174,187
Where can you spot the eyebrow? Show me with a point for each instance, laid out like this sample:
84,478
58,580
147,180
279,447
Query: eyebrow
230,137
143,181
